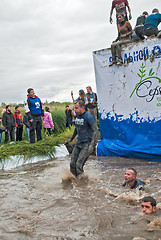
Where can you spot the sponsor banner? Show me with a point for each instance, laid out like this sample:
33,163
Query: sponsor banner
129,98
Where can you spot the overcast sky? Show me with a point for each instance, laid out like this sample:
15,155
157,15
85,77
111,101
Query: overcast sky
48,45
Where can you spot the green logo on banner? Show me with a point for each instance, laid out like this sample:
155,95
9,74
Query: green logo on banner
143,78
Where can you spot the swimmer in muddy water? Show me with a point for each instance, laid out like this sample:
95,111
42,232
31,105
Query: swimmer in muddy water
131,181
148,205
86,129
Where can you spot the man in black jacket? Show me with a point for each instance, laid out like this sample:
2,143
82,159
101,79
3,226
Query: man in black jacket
140,25
68,113
9,124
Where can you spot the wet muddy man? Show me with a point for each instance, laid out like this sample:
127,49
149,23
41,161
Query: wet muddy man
131,181
148,205
87,132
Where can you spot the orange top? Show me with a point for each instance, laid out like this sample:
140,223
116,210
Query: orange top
123,30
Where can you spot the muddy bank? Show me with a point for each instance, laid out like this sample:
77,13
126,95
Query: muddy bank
44,201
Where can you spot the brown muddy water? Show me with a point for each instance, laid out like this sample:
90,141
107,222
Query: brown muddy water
43,201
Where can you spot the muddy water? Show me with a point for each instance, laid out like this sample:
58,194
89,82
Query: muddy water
43,201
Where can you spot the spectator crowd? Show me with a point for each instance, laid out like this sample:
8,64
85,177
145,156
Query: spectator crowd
35,118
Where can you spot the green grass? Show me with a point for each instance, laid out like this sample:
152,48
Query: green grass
46,147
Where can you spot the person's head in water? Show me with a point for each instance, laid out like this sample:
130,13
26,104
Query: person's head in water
148,205
79,107
130,176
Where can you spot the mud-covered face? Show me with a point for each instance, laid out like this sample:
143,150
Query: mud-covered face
147,208
129,176
78,110
120,18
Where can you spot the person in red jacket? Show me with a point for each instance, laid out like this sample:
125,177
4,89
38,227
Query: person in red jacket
19,123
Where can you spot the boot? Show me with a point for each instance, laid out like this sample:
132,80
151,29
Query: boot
112,63
119,62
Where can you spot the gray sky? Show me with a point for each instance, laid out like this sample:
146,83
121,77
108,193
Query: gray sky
48,45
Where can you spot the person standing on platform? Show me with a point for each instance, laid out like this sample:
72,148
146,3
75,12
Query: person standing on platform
120,6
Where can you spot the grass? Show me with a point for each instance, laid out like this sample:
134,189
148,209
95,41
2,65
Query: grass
46,147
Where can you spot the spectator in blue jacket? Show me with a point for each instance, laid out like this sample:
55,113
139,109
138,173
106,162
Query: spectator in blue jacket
151,24
34,111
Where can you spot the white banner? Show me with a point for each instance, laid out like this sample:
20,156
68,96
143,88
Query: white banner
130,93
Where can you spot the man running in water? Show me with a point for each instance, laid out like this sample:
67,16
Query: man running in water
86,129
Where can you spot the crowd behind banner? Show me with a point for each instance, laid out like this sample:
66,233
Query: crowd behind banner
35,118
